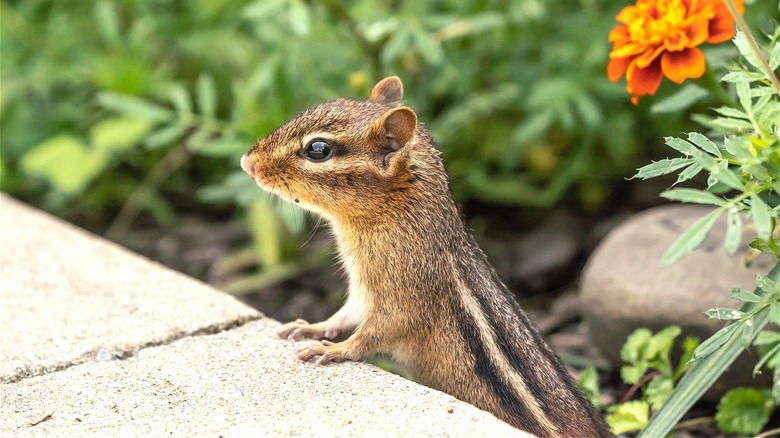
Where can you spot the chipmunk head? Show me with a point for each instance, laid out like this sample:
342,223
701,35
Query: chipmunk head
343,157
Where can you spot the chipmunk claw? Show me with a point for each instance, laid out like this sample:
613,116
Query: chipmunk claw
301,329
327,351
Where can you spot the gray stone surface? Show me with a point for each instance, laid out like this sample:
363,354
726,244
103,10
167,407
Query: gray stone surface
238,382
95,340
624,285
69,296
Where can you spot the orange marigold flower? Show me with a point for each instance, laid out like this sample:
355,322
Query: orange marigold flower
658,38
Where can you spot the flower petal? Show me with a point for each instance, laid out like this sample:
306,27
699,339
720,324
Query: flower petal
679,66
619,34
649,56
617,67
697,32
643,81
721,27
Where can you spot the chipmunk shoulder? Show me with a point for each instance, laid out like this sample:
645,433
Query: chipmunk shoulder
420,288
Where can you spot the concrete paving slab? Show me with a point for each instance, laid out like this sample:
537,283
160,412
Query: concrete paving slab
96,340
240,382
67,296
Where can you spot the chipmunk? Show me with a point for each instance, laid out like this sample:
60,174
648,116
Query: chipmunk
420,289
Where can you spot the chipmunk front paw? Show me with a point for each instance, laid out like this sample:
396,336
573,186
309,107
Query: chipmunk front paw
301,329
327,351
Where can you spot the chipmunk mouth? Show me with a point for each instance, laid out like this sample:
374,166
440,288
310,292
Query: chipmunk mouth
277,186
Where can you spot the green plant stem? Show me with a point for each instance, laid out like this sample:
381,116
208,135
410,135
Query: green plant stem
693,422
635,387
768,433
743,27
135,202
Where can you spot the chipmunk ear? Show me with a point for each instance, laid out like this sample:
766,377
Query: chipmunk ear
398,126
388,91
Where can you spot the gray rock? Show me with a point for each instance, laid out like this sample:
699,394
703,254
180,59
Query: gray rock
624,286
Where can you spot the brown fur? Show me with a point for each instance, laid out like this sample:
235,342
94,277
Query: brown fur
420,288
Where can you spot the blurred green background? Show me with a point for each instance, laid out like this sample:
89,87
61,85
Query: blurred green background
122,114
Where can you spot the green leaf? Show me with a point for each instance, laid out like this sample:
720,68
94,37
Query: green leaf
689,347
767,337
224,147
745,98
262,10
745,50
763,246
658,390
761,218
199,139
733,231
681,145
744,411
660,344
760,106
236,187
732,112
772,360
745,296
180,98
741,76
738,147
767,284
64,162
119,133
643,350
726,176
633,349
397,44
691,238
693,196
532,127
736,125
207,95
589,383
723,313
134,106
681,100
704,143
631,374
715,341
165,136
429,48
774,57
299,18
689,173
107,20
628,416
662,167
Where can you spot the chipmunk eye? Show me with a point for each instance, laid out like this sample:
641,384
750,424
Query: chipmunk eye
318,150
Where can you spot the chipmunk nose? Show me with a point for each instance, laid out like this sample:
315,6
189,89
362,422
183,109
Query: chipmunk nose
247,166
